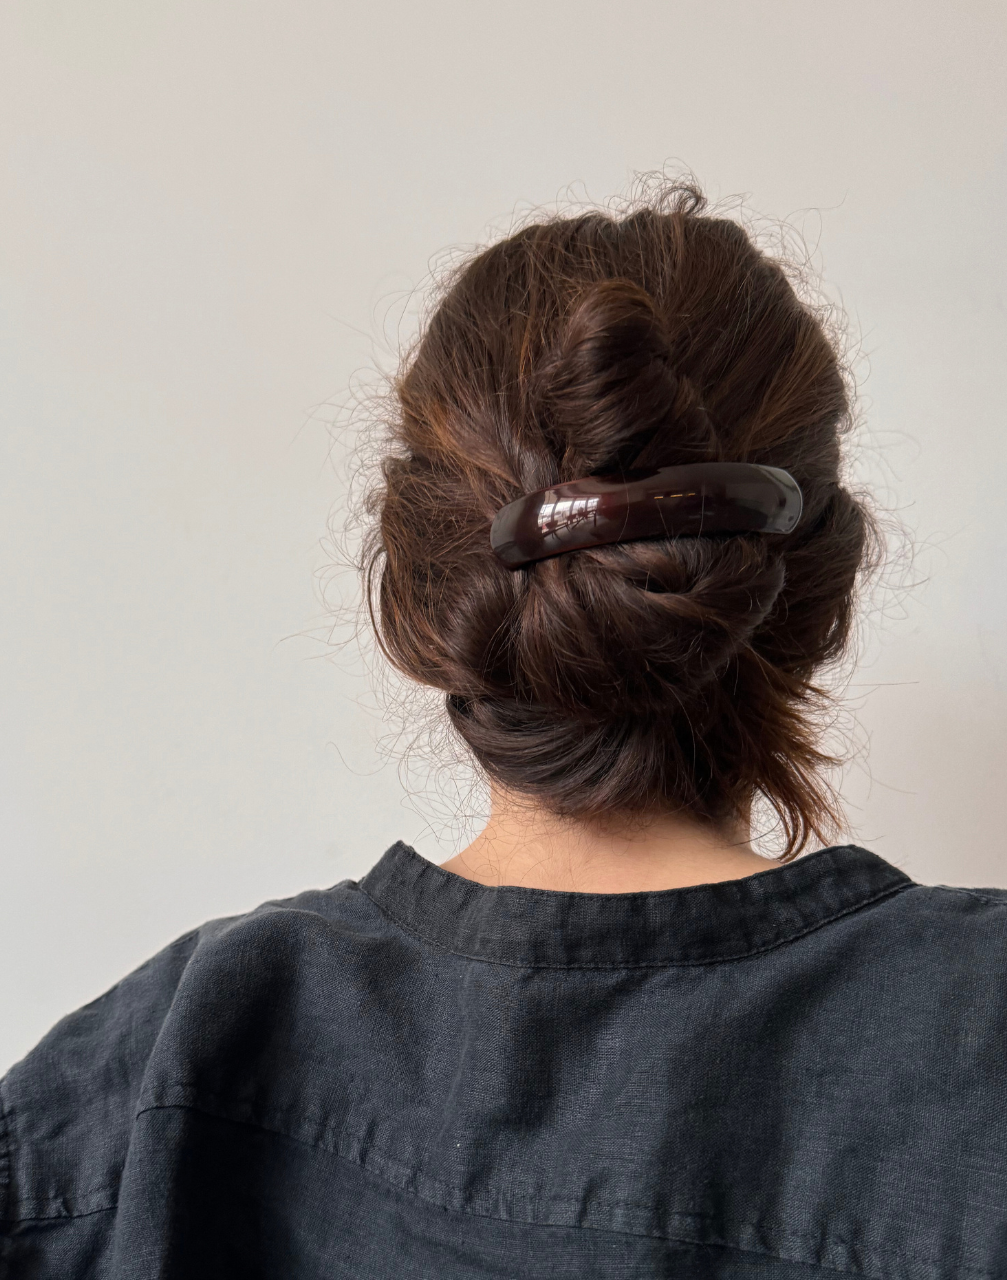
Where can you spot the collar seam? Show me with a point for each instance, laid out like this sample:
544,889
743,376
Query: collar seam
887,892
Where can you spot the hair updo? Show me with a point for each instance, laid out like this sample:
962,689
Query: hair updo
672,674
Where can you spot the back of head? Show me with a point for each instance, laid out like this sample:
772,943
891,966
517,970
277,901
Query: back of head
673,674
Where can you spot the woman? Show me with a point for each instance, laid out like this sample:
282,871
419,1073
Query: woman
608,1039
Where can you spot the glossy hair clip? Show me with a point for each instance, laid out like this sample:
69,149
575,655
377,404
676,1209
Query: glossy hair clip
695,499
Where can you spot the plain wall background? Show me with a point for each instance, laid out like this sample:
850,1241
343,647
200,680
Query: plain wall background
210,215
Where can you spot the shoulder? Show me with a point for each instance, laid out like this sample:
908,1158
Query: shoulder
980,908
934,956
946,917
955,897
969,927
67,1108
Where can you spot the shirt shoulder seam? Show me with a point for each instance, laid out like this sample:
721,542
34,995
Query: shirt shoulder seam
970,893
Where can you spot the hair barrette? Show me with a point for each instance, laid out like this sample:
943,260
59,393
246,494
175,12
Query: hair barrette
695,499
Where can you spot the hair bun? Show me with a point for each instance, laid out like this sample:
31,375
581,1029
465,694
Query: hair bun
643,676
608,385
642,626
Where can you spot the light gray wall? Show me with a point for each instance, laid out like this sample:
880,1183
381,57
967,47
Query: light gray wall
209,214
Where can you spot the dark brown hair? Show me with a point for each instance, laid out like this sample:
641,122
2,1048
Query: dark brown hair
647,677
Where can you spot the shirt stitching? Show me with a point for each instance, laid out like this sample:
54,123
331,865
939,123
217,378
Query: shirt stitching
970,893
655,964
61,1217
678,1239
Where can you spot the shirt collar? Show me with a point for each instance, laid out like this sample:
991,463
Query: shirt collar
699,924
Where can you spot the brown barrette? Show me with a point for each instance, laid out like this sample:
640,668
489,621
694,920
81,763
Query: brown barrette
695,499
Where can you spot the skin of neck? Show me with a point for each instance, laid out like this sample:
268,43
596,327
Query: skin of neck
524,844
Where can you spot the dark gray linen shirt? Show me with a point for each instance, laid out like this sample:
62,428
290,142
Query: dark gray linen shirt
797,1074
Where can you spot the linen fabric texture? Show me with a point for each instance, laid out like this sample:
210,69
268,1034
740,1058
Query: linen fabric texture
417,1077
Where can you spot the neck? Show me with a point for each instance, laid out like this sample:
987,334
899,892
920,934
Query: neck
523,844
